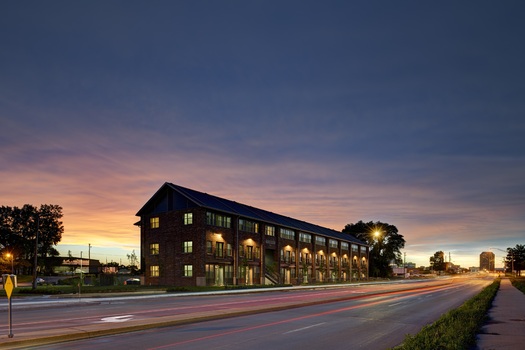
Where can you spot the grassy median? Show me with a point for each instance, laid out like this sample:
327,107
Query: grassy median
519,282
457,329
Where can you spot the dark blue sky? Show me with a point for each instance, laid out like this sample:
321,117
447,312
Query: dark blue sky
331,112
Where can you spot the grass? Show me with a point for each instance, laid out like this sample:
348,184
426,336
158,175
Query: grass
457,329
519,282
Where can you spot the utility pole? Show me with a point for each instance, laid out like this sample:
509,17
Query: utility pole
405,264
89,257
36,251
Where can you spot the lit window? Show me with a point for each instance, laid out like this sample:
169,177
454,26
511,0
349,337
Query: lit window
188,270
154,222
188,218
270,231
188,247
229,250
249,251
154,249
154,271
209,248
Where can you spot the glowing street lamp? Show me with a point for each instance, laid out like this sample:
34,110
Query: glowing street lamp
9,255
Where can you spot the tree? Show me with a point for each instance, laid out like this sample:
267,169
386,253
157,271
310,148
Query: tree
385,245
133,262
437,262
19,228
515,260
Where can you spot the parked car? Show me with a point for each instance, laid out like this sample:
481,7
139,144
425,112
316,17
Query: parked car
40,281
131,281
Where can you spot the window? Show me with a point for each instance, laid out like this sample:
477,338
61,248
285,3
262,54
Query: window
344,245
241,250
218,220
219,249
154,249
187,247
270,231
257,253
188,218
229,249
363,250
188,270
332,243
288,234
320,240
305,237
154,270
249,251
209,247
249,226
154,222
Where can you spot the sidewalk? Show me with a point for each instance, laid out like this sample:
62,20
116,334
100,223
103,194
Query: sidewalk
506,327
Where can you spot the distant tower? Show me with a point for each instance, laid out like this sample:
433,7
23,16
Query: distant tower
486,261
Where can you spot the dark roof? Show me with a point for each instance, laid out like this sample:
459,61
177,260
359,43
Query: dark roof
225,205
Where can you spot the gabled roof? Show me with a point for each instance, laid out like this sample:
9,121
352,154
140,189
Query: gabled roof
211,202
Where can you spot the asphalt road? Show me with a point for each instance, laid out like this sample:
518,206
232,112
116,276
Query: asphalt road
366,316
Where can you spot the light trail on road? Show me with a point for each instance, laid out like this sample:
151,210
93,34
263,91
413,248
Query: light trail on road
381,296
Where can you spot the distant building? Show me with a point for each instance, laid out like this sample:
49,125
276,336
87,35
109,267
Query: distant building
75,265
486,261
191,238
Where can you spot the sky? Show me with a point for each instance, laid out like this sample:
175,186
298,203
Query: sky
406,112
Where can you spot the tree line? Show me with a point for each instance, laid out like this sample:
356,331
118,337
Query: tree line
27,231
514,261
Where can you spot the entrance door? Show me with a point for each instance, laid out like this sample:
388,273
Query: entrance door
219,275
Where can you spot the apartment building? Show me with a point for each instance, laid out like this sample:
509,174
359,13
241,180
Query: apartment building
191,238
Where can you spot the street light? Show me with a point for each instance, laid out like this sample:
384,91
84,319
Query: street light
9,255
511,253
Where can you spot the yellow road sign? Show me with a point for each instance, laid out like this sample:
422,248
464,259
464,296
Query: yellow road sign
8,286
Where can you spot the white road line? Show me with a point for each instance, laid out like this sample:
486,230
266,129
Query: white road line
401,302
113,319
302,329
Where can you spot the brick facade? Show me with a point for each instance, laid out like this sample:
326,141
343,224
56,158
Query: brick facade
228,247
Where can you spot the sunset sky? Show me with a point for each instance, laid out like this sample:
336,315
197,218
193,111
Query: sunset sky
406,112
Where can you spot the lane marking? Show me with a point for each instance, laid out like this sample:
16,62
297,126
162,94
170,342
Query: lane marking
401,302
114,319
302,329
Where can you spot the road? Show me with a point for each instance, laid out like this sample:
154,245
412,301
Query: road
365,316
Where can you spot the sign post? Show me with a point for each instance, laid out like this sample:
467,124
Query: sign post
8,286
